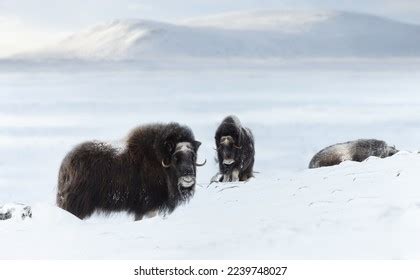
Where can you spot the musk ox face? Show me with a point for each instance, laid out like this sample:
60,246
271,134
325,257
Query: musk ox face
228,150
182,167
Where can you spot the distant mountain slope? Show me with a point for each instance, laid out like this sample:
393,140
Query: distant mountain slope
257,35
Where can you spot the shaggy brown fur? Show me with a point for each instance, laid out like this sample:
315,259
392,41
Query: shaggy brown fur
235,150
147,175
357,150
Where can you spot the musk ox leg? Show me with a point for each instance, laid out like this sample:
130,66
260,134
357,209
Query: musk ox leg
138,217
148,215
245,177
246,174
231,176
151,214
235,175
226,178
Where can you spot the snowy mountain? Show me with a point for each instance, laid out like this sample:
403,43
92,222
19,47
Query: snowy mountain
252,35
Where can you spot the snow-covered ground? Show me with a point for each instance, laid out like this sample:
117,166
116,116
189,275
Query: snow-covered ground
355,210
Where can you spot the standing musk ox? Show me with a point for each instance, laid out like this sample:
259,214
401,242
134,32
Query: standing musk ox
235,150
357,150
154,172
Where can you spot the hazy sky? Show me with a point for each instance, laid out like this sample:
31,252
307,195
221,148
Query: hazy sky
31,22
70,14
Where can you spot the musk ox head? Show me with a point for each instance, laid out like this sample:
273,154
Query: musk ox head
178,159
390,151
228,149
181,167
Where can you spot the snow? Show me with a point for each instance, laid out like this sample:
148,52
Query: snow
18,37
365,210
300,80
262,35
15,211
287,21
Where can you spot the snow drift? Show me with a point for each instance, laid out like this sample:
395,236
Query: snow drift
252,35
365,210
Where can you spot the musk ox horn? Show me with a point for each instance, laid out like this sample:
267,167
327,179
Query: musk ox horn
165,165
237,147
201,164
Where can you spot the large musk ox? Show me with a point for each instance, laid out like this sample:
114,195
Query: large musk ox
357,150
235,150
154,172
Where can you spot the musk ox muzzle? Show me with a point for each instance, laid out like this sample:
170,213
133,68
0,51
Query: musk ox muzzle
183,164
186,181
228,161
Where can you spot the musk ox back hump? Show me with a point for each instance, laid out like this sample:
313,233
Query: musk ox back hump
231,126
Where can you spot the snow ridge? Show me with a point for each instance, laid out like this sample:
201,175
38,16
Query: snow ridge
251,35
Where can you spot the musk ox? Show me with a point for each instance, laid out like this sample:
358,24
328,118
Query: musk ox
154,172
235,150
357,150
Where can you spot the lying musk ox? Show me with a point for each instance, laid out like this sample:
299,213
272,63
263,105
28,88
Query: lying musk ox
357,150
235,150
154,172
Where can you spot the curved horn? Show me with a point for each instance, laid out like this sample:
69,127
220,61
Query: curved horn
165,165
201,164
237,147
